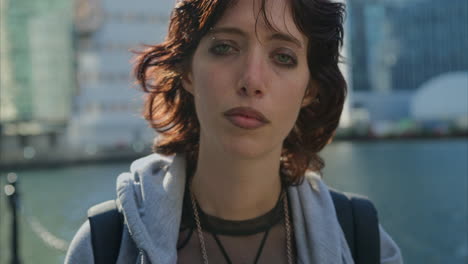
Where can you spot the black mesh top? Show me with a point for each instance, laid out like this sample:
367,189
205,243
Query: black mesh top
258,240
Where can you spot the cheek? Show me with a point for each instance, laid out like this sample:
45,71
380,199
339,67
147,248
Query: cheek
212,80
289,109
206,88
290,101
209,90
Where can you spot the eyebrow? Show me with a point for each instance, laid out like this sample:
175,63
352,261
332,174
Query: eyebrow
237,31
286,37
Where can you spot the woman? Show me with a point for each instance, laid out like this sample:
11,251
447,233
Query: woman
244,94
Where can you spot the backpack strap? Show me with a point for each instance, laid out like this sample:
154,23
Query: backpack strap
358,219
106,231
344,213
366,229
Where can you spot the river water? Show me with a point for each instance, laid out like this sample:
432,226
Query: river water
419,188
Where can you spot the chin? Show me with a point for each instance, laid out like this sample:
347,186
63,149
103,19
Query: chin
247,148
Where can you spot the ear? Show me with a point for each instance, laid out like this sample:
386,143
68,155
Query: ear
307,100
187,82
310,95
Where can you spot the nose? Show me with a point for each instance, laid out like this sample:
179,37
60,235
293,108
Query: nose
252,80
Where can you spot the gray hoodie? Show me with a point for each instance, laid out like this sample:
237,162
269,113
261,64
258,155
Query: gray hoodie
150,197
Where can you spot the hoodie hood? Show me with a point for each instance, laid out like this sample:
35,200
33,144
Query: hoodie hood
153,183
151,196
318,234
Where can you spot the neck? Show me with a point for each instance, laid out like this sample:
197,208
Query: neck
236,189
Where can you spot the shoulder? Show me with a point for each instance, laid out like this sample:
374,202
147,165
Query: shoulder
80,249
341,201
150,169
313,181
151,162
389,250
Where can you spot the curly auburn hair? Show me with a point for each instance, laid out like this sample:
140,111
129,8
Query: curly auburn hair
170,109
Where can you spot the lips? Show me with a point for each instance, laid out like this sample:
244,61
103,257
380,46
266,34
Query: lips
246,117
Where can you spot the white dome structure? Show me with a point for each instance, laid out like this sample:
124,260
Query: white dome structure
441,98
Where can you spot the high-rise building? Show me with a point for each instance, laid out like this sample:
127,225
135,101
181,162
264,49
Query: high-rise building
36,77
36,62
108,105
398,45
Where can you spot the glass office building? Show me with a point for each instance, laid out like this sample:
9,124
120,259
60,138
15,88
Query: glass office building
36,61
398,45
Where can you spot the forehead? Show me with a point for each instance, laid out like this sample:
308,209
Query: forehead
248,15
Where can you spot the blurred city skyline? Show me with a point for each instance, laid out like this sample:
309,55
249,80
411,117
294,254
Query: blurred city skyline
61,60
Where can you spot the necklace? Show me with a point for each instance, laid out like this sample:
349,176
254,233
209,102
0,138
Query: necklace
202,240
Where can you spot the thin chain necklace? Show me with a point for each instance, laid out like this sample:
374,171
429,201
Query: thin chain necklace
202,240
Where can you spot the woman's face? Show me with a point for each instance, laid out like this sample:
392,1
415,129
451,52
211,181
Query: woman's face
249,85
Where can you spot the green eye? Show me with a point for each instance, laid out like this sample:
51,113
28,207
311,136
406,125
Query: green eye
221,49
284,59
